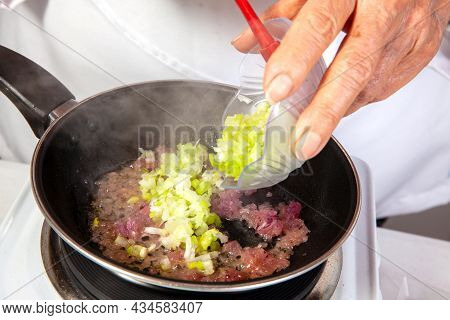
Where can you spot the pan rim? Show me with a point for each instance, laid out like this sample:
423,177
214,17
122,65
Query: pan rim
148,280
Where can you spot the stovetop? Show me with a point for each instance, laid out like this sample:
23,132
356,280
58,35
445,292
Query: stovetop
24,275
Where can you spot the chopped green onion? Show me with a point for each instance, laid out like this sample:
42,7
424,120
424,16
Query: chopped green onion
95,222
242,141
179,193
209,237
215,246
196,265
133,200
137,251
213,219
122,242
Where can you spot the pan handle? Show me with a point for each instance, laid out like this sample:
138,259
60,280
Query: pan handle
33,90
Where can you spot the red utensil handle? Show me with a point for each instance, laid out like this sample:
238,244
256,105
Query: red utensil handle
266,42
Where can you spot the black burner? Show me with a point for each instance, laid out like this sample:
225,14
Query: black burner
76,277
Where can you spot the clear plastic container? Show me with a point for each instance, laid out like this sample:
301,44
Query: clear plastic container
277,159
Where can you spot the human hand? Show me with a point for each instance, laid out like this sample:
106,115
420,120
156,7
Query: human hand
388,43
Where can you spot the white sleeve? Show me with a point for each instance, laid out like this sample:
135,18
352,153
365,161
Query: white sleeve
11,4
441,62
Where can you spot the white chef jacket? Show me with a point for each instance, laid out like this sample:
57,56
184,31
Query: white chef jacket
91,46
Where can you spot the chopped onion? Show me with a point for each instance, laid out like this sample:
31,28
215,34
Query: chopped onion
189,252
123,242
209,267
165,264
241,141
179,193
148,155
157,231
206,256
137,251
223,238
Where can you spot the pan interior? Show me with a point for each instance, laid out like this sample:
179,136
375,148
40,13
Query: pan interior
106,131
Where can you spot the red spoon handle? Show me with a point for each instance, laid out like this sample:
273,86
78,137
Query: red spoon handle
266,42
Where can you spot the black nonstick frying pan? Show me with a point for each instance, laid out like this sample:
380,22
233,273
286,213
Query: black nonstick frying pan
80,141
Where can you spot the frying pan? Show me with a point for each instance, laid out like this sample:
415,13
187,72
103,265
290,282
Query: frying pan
81,141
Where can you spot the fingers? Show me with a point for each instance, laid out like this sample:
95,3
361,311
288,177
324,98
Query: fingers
314,28
280,9
347,76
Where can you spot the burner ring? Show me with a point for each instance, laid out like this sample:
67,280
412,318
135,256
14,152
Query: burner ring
75,277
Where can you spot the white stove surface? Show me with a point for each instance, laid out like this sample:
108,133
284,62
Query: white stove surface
22,274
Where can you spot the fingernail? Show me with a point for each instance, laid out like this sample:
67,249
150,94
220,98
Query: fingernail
236,39
307,146
279,88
